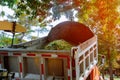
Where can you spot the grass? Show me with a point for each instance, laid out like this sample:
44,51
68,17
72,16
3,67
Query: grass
115,77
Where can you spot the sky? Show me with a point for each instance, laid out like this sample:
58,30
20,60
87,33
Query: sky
7,12
62,19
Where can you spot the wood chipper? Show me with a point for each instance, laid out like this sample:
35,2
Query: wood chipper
29,61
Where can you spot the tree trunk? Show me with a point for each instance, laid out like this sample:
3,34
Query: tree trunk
110,65
103,73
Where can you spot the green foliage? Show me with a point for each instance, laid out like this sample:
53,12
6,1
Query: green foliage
9,3
28,9
2,13
6,40
102,17
58,45
41,9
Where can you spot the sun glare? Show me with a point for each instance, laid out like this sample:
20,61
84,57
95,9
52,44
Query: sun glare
118,9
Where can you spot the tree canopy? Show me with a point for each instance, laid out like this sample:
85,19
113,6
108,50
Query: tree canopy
39,9
103,17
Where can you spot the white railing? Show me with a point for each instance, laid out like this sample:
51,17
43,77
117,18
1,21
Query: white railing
86,57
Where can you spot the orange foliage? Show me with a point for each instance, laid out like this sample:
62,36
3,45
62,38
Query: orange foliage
102,6
77,2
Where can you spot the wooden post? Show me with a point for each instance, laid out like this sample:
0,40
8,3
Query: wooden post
13,31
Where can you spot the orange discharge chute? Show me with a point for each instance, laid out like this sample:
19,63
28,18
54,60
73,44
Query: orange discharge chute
95,74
